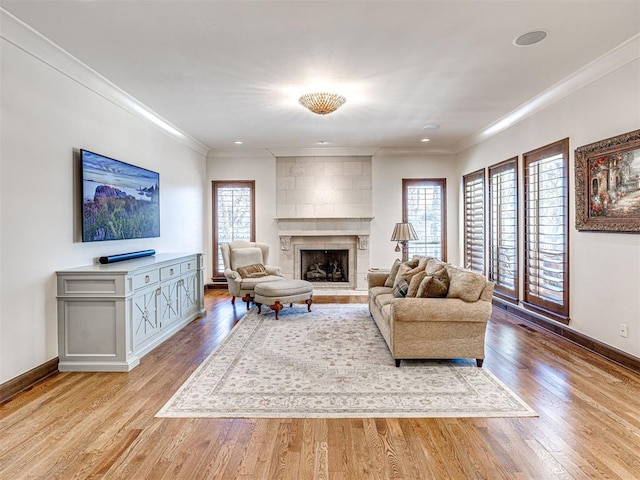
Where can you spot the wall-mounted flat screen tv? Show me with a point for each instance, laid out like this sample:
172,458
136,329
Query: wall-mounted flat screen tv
119,201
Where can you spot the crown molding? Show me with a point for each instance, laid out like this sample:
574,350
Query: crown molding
324,152
24,37
616,58
413,152
241,152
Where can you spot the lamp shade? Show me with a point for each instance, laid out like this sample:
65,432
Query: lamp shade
403,232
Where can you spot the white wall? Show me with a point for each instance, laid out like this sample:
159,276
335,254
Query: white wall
387,174
604,267
46,117
258,166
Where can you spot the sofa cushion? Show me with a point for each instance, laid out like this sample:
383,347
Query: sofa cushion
255,270
375,291
400,288
384,299
414,284
391,279
386,312
465,284
432,287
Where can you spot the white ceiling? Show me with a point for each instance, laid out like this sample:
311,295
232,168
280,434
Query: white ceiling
223,71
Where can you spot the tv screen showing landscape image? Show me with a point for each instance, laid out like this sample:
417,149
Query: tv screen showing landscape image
119,201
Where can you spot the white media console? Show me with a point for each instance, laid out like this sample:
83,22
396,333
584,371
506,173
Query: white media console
110,315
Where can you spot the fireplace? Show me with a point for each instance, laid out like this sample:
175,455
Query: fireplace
349,236
325,265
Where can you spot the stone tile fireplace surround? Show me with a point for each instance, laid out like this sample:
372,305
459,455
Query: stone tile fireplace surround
324,203
350,234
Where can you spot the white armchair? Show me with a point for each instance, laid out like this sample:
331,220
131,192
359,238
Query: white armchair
239,254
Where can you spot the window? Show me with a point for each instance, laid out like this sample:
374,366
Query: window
233,217
473,189
546,268
423,205
503,228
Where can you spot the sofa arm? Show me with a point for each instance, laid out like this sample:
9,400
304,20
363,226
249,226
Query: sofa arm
377,279
440,310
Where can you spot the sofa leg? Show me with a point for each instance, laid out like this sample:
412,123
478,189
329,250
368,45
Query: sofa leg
479,362
398,361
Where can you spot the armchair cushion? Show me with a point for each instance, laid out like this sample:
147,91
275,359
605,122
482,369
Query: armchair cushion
241,257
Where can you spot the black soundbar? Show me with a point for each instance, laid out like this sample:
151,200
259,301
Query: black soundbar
126,256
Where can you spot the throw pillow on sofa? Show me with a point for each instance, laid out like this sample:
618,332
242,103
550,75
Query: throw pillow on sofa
417,265
391,279
401,288
415,282
434,267
406,272
434,286
465,284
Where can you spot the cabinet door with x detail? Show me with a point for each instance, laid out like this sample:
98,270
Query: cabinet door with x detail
169,303
145,315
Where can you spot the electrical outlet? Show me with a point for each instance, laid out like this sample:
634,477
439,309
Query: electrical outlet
622,330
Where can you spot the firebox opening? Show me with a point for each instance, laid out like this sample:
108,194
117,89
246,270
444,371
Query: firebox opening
324,265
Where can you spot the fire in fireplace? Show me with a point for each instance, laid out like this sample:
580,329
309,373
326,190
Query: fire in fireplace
324,265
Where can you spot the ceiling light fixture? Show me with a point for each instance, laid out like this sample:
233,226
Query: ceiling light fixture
431,126
238,142
322,103
425,140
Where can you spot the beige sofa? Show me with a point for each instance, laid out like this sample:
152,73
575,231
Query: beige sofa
434,328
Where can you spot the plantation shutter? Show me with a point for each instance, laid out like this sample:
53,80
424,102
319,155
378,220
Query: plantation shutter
503,229
473,185
424,208
233,216
546,230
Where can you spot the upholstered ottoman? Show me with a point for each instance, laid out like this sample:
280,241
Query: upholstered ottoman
278,292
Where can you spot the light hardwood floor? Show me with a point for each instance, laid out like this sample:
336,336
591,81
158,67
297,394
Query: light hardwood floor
102,425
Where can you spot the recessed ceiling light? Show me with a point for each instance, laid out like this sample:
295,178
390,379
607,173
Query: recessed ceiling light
238,142
425,140
530,38
431,126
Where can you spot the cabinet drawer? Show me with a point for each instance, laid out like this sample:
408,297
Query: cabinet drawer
169,272
144,279
188,266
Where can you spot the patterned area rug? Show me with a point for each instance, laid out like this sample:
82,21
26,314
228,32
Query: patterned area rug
332,363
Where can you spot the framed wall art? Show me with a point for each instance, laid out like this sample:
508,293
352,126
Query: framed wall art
608,184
